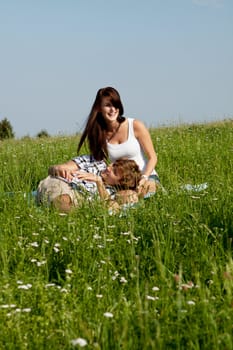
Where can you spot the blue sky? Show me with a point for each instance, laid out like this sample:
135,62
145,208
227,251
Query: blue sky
171,61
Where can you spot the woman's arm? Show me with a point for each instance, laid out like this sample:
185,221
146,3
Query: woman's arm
144,138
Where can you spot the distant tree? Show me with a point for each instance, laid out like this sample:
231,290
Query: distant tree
6,129
26,137
43,133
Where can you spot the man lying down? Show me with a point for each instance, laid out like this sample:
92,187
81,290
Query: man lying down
83,179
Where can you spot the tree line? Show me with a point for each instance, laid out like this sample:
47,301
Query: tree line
7,132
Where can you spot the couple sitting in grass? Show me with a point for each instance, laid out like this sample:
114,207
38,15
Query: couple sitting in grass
84,178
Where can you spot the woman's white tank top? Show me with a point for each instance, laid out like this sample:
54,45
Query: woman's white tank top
129,149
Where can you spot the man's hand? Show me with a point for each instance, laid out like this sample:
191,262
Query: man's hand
65,170
83,175
59,170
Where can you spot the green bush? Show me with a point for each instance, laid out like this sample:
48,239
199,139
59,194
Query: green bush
43,133
6,130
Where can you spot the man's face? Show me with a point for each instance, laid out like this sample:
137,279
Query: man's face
111,175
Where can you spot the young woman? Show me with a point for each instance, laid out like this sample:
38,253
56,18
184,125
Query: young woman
111,135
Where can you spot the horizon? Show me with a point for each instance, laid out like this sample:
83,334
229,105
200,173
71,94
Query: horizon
172,62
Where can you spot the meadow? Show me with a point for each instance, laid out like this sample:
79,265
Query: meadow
156,276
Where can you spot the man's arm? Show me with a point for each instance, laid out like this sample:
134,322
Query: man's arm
121,197
65,170
103,193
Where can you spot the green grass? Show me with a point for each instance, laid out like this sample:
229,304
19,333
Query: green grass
163,270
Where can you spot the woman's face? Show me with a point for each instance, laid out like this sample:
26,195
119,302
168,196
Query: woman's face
108,111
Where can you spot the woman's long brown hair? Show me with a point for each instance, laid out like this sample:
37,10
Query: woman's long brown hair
95,129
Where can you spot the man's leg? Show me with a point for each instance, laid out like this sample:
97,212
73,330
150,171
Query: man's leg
63,203
54,191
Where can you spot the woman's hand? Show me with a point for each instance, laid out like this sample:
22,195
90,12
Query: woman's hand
146,186
142,187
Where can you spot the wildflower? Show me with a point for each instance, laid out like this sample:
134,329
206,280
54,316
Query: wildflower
40,263
116,274
34,244
99,296
209,281
27,309
50,285
7,306
148,297
123,280
79,341
155,289
69,272
56,249
65,238
125,233
191,302
25,286
108,314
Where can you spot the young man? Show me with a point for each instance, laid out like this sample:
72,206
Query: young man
84,178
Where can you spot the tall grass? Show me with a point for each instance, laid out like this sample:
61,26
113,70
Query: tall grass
158,276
